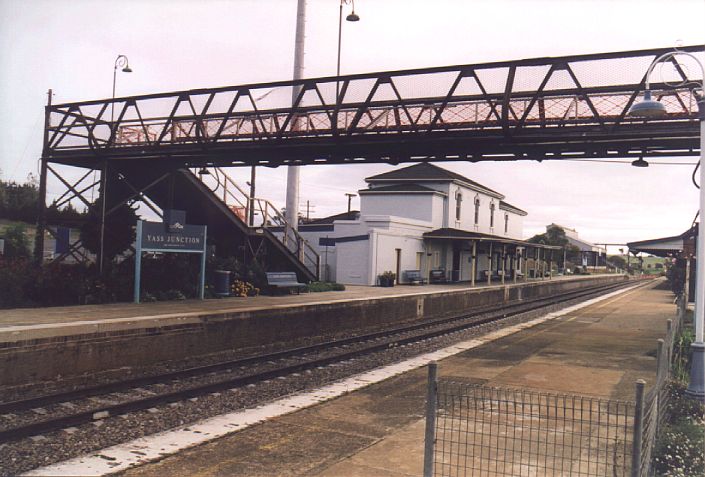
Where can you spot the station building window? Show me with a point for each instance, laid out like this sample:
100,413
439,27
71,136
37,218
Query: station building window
492,207
477,210
506,223
458,204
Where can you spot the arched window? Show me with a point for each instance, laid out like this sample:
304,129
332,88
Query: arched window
458,204
477,210
506,223
491,215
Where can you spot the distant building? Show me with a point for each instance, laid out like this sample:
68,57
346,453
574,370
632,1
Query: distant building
424,218
591,254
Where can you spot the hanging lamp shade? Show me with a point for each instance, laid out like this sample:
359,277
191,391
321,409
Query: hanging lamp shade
648,108
640,163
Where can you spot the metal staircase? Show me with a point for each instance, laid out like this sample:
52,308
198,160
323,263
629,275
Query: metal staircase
261,219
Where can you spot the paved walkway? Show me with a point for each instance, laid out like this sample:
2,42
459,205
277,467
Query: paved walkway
599,350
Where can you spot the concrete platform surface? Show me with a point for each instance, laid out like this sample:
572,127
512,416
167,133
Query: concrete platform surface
36,323
599,350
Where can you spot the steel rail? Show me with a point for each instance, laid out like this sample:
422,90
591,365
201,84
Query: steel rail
48,425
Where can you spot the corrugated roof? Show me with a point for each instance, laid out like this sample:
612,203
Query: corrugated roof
425,171
449,233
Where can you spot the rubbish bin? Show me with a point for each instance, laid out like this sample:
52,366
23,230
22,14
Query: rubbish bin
222,283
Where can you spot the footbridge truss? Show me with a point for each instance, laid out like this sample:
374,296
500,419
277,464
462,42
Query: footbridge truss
539,109
145,147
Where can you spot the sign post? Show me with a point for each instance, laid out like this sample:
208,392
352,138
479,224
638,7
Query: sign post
171,236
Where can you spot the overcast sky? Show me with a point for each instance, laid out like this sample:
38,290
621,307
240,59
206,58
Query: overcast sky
71,45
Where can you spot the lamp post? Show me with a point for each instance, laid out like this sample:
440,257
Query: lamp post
122,62
650,108
352,17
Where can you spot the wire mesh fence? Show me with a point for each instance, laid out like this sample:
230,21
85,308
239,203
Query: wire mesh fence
651,407
476,430
483,431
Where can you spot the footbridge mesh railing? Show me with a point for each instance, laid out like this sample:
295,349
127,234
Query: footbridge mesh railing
501,110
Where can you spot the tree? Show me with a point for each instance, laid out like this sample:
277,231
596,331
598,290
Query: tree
19,201
119,233
16,242
554,235
618,261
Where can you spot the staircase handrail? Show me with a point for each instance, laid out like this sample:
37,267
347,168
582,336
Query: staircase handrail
291,238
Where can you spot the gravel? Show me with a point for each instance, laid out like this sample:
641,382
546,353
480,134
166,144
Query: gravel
26,454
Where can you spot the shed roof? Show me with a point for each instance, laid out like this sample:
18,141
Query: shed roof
664,246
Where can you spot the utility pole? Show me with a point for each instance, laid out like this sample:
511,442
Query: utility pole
251,217
293,172
41,202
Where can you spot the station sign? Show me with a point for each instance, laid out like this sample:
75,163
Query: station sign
172,235
186,238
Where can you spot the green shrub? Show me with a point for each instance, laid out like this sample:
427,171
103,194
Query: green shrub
169,295
16,242
315,287
17,278
682,355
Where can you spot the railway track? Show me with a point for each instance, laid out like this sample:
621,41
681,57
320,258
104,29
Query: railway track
44,414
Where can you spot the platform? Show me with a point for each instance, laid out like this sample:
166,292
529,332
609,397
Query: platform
18,324
599,350
40,344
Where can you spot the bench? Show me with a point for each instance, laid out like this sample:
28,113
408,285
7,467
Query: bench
437,276
284,281
414,277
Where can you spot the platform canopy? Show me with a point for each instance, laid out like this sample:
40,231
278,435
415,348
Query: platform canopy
668,246
452,234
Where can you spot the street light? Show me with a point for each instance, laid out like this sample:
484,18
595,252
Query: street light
120,62
352,17
650,109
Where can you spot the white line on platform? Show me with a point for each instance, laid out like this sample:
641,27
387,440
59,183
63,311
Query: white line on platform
157,446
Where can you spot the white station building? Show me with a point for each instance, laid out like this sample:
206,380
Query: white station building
425,218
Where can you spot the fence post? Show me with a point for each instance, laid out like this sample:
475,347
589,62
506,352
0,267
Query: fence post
638,428
669,344
431,400
659,362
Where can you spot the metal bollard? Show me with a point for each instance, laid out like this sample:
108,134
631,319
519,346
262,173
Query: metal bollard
638,428
431,401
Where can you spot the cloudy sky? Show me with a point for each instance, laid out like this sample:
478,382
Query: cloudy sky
70,46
